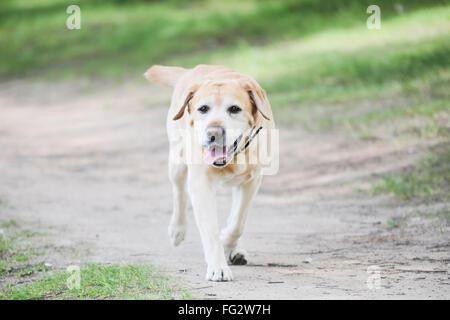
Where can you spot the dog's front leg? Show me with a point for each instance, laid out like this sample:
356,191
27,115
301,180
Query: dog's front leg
204,205
230,235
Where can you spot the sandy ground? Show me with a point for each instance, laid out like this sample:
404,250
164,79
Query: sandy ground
87,165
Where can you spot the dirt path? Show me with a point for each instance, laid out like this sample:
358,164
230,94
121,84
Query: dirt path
89,168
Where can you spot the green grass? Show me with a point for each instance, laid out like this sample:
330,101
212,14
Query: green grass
23,275
9,223
21,257
32,269
429,180
392,223
101,282
5,246
13,252
3,268
428,110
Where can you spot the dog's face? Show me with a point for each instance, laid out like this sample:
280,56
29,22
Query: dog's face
221,113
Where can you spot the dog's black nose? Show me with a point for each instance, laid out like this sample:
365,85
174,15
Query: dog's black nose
216,134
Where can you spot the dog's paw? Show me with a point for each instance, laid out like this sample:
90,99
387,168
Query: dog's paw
238,256
222,273
177,233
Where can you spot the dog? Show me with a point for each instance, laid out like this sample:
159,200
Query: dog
217,114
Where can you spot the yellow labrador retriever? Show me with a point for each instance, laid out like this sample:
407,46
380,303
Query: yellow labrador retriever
217,114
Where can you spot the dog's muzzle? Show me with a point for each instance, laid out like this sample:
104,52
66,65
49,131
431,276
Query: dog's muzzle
218,154
215,146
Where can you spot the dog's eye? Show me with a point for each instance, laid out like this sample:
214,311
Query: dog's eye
203,109
234,109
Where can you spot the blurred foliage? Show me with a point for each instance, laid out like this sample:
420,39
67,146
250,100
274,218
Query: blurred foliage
122,37
302,52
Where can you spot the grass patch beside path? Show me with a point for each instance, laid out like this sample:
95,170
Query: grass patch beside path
429,180
101,282
14,254
24,275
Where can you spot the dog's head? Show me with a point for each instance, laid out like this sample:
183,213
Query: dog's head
222,113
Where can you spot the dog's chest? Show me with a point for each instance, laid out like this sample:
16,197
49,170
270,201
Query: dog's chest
239,175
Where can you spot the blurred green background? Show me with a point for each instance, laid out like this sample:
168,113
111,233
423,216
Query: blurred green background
300,51
304,49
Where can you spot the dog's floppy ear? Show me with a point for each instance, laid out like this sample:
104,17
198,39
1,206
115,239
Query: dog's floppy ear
258,98
186,98
180,113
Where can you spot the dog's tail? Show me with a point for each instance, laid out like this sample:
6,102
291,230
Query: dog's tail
167,76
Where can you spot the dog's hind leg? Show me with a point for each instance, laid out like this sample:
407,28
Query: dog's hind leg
177,226
230,235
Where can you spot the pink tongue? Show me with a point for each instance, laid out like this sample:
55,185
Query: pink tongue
217,155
